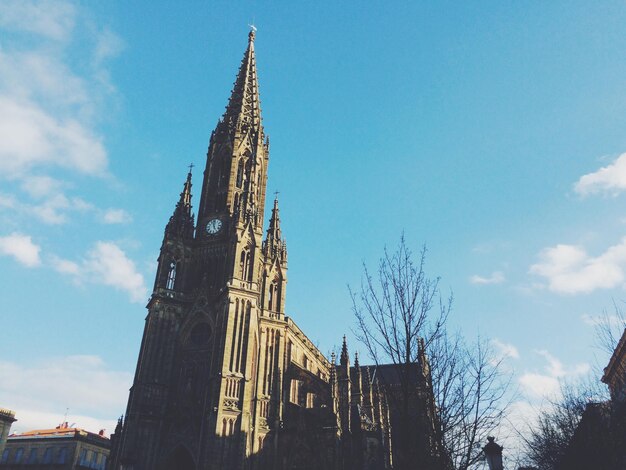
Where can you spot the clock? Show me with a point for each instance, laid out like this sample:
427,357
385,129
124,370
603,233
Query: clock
213,226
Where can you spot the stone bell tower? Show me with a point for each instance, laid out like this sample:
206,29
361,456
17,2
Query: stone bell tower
207,371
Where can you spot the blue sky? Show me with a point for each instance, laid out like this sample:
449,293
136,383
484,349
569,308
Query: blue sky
494,133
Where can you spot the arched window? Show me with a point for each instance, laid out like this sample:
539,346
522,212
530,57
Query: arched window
240,173
242,263
270,303
246,273
171,276
236,204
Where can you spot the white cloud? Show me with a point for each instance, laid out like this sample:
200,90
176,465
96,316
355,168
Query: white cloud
64,266
497,277
31,138
610,179
547,384
599,320
116,216
570,270
54,20
41,391
539,385
110,265
505,350
49,108
41,186
106,263
22,248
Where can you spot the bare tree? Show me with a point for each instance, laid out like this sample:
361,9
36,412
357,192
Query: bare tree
471,391
609,328
401,315
548,440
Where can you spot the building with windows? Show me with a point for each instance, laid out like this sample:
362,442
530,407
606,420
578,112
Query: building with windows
63,447
225,379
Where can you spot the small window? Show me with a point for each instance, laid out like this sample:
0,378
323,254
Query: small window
5,456
171,276
240,173
94,460
62,457
32,458
18,455
270,303
47,455
83,457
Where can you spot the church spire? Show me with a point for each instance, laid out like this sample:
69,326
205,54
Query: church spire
181,222
244,106
236,170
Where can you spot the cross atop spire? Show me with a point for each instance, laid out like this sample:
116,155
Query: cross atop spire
252,32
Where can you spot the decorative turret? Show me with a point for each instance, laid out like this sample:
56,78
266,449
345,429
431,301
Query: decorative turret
332,381
344,388
366,388
274,247
357,391
177,243
181,223
345,358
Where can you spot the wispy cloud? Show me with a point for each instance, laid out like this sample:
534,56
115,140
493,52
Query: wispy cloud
21,248
116,216
496,277
505,350
610,179
54,20
106,263
569,269
547,383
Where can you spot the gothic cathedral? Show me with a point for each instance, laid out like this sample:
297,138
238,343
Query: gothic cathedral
224,379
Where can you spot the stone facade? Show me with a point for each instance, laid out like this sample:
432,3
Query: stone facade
224,378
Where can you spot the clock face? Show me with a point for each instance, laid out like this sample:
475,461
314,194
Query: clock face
213,226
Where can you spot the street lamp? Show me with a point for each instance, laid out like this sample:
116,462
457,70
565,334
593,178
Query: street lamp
493,452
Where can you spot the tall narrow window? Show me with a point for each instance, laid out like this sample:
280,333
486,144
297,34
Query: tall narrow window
62,458
236,205
171,276
270,303
18,455
240,173
242,264
246,271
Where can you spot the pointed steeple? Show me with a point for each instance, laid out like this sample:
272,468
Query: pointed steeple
357,390
274,245
243,111
345,358
366,381
181,222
